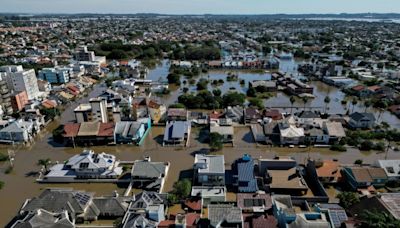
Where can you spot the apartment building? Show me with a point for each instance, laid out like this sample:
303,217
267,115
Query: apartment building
56,75
20,80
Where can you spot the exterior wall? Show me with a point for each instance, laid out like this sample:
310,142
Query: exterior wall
14,136
56,75
210,179
24,80
19,101
99,110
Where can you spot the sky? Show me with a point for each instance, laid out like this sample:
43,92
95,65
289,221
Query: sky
200,6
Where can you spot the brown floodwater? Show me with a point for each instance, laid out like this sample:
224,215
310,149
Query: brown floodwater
20,183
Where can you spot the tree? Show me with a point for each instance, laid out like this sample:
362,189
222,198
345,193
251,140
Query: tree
292,100
377,219
251,92
327,100
44,163
216,141
256,102
217,92
366,145
347,199
181,190
233,99
174,78
358,162
1,184
202,84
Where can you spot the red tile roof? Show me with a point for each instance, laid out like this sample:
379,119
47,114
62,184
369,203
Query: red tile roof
259,221
194,205
106,130
358,88
49,104
192,219
71,129
166,224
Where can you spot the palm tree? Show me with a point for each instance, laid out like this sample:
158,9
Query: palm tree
327,100
292,100
354,103
305,100
44,163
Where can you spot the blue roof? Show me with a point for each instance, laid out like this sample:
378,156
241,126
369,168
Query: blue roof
245,172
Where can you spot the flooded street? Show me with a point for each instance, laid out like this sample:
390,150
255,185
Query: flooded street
279,100
20,183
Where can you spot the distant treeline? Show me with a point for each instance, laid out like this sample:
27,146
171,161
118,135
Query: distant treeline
172,50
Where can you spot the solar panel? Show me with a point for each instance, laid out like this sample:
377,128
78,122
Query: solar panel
337,217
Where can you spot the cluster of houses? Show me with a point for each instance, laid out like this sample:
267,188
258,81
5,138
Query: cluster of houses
24,95
275,192
91,167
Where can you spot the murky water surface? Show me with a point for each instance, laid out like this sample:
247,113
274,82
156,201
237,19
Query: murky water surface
20,183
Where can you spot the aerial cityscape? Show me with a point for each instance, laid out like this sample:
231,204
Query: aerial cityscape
189,116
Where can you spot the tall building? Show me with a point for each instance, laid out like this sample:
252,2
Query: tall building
82,54
20,80
5,97
19,100
95,111
56,75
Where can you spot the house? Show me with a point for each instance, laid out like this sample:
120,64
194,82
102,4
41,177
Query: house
273,114
243,174
328,171
254,203
224,215
334,130
157,111
149,175
177,133
388,203
235,113
335,213
92,133
297,214
364,177
220,119
252,115
146,210
19,131
281,176
391,168
209,170
315,135
78,204
360,91
42,218
177,114
290,133
308,118
131,132
209,194
225,131
86,165
362,120
264,86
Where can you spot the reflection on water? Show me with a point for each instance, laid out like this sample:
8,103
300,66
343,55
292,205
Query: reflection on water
20,184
